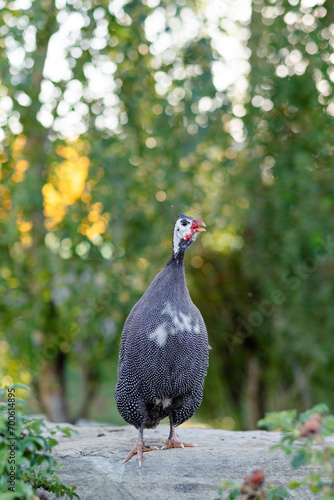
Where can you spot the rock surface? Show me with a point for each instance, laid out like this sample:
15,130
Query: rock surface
94,463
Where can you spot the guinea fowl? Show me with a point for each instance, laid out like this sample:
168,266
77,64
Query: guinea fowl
164,350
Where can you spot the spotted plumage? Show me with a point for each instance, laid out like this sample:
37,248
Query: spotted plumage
163,356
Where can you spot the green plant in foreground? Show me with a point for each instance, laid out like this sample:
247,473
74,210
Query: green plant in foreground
25,446
300,435
253,488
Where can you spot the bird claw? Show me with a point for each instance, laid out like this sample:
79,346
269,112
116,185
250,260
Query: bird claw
175,443
139,449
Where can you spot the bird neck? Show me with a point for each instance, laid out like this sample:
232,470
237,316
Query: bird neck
177,258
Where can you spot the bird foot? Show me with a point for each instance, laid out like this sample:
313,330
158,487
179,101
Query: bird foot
175,443
138,449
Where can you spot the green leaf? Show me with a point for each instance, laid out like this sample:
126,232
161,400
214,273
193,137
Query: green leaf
315,488
20,386
319,408
295,484
52,442
277,493
228,483
20,401
329,423
302,457
278,420
67,430
234,494
30,445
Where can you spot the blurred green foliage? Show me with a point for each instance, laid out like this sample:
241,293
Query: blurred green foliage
299,435
26,463
103,145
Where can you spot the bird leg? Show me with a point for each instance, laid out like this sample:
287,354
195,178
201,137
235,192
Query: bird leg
139,448
172,441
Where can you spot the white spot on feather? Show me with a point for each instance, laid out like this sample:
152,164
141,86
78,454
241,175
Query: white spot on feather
181,323
180,320
186,321
196,327
168,310
166,402
159,335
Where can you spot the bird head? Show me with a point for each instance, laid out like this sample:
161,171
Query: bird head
185,231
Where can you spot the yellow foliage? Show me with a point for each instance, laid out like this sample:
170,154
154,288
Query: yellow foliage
86,197
5,273
193,422
18,177
224,241
99,222
97,228
6,203
142,263
54,207
65,187
68,152
23,226
6,380
13,282
72,178
26,240
10,370
3,158
18,145
21,166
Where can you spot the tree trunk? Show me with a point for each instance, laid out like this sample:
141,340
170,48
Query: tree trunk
52,389
91,377
253,392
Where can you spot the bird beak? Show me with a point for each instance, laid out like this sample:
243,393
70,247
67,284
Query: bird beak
196,223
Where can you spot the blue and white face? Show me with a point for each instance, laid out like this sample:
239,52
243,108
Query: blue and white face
185,231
